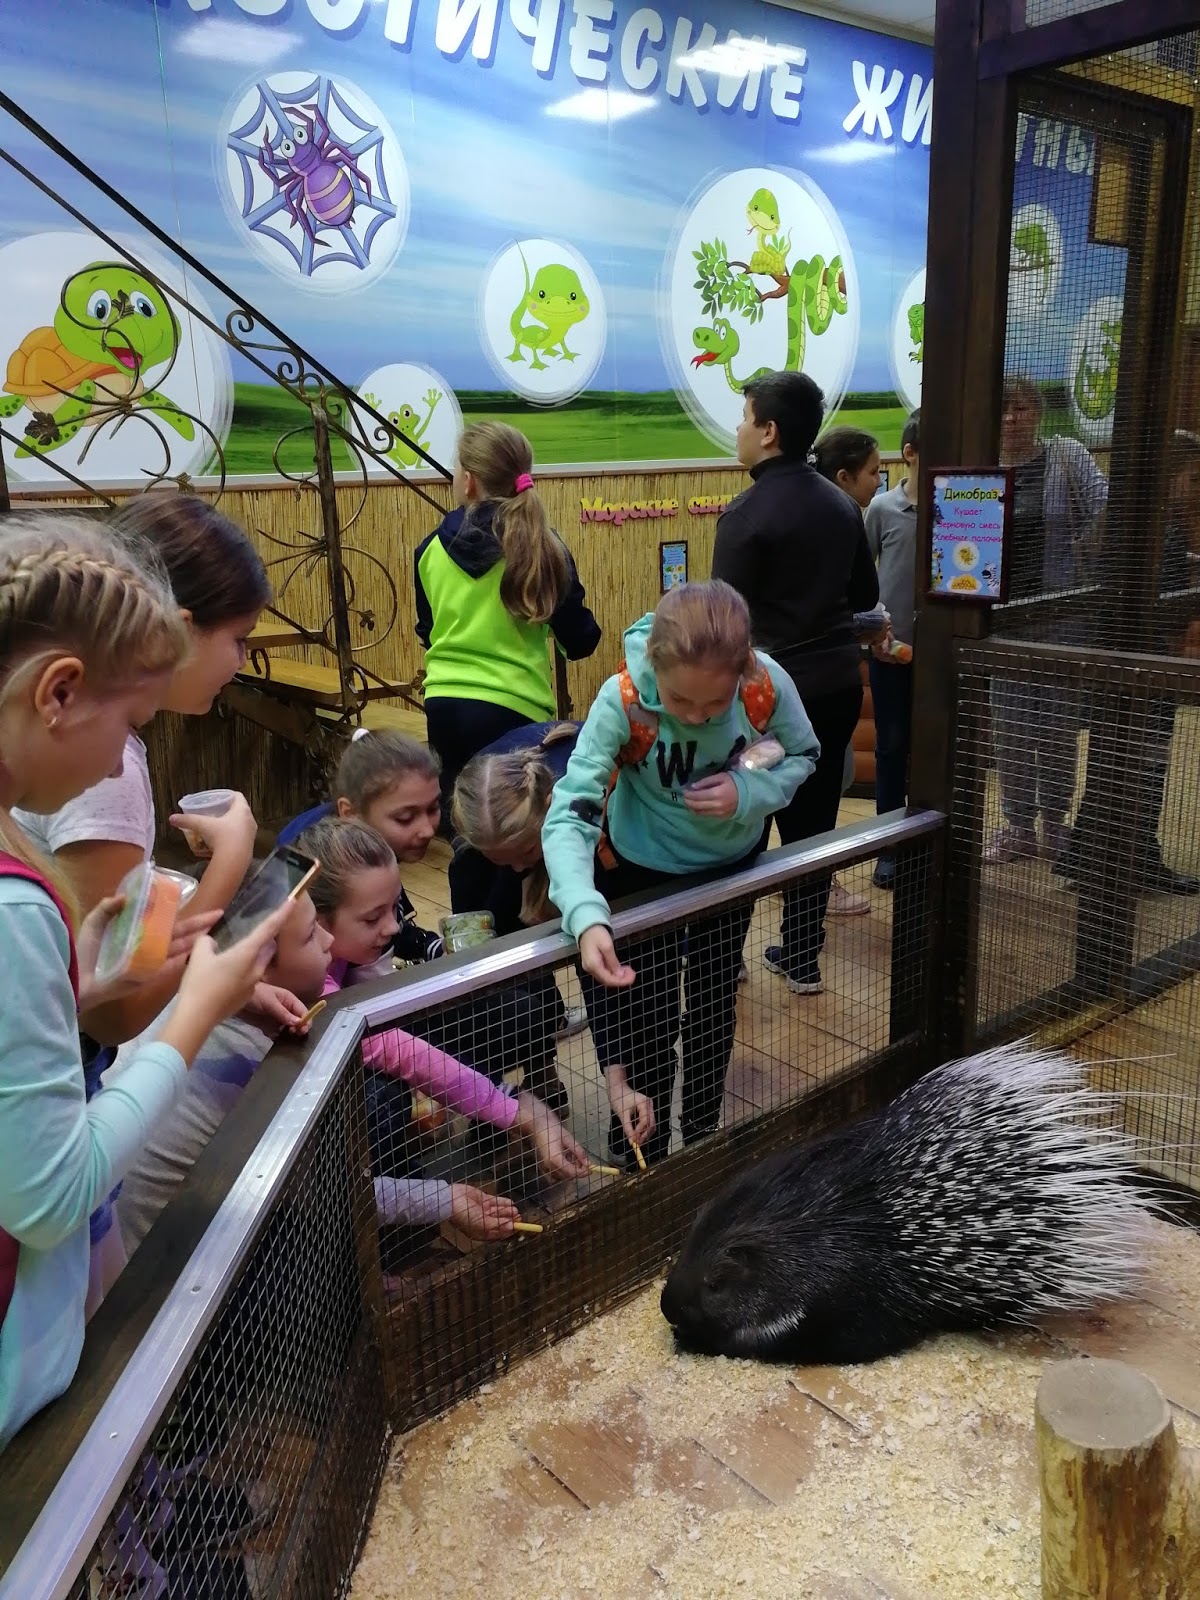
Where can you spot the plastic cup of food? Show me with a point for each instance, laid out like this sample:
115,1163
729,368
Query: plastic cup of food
466,929
136,941
205,803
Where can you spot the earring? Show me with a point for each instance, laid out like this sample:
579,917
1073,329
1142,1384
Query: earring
52,724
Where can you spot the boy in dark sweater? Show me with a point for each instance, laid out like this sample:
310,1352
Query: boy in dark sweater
794,546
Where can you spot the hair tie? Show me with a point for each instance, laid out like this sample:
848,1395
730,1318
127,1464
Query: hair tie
524,481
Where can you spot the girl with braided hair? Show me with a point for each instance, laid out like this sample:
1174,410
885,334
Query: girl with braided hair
89,642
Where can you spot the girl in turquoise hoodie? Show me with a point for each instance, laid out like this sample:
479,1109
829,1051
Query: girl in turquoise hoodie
672,726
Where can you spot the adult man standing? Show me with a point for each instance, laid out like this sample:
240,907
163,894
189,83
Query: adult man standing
794,546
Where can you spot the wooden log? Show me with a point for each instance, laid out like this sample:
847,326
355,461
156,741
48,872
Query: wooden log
1120,1498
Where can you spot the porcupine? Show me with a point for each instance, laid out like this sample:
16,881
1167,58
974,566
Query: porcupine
993,1191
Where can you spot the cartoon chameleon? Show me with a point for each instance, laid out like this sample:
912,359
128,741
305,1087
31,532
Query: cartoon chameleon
1095,388
1031,246
815,293
407,421
916,329
111,327
770,254
556,300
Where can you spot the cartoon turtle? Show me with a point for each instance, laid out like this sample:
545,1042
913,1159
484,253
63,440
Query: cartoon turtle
112,326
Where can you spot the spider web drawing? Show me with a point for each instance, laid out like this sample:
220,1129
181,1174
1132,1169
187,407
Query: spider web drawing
268,123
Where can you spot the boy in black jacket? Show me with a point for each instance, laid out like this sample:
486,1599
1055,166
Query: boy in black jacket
794,546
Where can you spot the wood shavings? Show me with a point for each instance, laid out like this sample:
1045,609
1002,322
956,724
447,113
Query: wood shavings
609,1466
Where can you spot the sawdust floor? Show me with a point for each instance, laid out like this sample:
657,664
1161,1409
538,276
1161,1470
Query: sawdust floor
610,1466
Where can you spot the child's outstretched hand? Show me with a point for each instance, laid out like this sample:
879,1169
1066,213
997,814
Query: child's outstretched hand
557,1153
634,1111
218,983
232,834
481,1215
279,1006
599,957
712,797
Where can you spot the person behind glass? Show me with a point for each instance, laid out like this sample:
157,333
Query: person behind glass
1059,496
1179,574
494,584
891,520
794,546
849,457
620,822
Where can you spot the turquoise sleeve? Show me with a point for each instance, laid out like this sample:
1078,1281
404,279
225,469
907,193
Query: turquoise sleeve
59,1156
762,793
571,831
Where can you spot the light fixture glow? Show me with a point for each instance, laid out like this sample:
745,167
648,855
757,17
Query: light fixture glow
600,105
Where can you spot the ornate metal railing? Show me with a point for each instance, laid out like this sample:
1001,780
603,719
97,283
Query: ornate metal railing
45,409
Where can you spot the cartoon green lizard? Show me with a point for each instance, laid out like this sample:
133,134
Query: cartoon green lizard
1096,387
916,330
557,301
1032,246
406,420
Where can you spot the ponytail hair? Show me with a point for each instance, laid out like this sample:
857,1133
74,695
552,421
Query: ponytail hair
536,567
501,801
700,625
343,846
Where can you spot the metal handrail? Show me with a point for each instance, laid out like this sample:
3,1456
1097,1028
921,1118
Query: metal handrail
48,1563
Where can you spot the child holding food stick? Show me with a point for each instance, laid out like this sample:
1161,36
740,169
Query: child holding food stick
694,697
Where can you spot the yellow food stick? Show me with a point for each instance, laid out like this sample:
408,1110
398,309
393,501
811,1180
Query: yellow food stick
609,1172
313,1011
527,1227
641,1160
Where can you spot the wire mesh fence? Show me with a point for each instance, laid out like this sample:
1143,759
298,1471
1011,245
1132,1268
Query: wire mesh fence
588,1113
1077,840
260,1476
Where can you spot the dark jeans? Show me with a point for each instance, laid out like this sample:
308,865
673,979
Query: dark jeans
891,696
494,1032
460,729
1035,734
1126,810
813,810
639,1026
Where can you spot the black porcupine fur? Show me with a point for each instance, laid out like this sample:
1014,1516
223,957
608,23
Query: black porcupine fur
993,1191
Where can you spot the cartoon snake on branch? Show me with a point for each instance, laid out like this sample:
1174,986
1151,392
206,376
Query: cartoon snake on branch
815,292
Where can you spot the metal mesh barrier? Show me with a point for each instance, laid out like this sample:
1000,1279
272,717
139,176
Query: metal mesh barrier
711,1038
1076,844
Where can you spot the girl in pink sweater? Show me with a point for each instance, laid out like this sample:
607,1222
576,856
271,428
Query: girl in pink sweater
355,895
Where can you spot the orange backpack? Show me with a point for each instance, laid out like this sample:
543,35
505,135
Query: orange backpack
756,692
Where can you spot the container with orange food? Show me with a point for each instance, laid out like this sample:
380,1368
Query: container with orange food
136,941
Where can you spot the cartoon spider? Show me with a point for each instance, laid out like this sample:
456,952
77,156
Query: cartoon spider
311,170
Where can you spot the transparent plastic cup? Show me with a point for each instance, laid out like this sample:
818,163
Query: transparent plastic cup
205,803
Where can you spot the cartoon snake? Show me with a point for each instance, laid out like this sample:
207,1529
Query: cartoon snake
815,293
770,254
111,327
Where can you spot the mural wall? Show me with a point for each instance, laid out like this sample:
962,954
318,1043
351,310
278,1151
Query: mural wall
594,218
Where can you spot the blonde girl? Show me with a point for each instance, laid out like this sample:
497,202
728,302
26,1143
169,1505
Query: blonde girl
494,585
89,643
355,899
700,694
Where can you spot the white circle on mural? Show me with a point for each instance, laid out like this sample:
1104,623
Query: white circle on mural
314,180
542,320
1091,377
105,373
742,239
420,404
1034,261
908,341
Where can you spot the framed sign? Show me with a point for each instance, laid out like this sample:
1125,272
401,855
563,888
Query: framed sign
970,510
673,563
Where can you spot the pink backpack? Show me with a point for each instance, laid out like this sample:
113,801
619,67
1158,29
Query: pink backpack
10,1249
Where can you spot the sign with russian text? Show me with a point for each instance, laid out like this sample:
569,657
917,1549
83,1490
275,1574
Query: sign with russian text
970,510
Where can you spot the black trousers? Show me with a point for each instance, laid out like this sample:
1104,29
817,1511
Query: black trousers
460,729
813,810
638,1027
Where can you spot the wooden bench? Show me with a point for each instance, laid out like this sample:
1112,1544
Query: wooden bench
317,685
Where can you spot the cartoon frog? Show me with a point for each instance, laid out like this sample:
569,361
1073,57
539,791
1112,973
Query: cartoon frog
407,421
557,301
111,327
1095,387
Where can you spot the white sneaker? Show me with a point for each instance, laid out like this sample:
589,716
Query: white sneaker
574,1021
842,903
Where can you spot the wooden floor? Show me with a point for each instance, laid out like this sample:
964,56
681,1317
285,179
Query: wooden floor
610,1466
